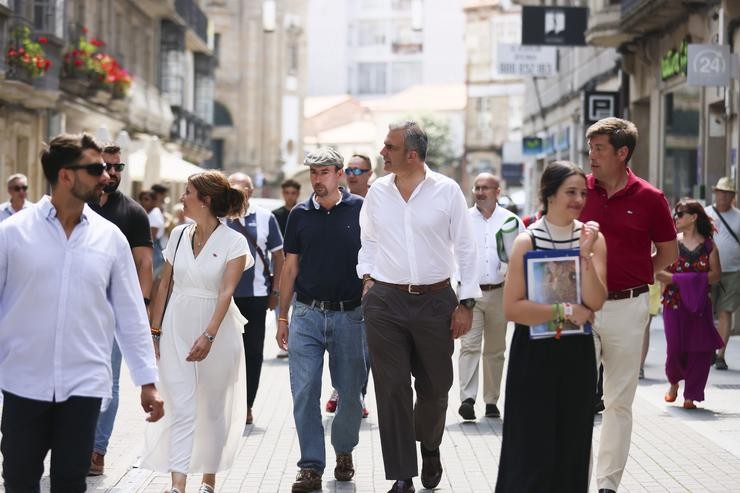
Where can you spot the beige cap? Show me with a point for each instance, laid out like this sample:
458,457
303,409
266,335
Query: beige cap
324,156
725,184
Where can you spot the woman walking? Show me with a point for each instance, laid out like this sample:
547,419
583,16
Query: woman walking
201,361
687,307
548,413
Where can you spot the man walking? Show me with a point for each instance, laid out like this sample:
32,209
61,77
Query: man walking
321,245
359,171
495,229
291,191
726,294
632,215
55,354
256,291
17,190
412,222
132,220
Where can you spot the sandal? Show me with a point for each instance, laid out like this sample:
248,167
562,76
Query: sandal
173,490
206,488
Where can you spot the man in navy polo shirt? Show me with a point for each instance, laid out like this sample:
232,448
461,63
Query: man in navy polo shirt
322,239
632,215
256,291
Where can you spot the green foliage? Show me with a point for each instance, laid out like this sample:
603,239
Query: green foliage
440,152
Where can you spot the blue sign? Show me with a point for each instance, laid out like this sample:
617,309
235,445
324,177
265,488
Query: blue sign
531,146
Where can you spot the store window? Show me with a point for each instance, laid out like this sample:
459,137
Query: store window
681,160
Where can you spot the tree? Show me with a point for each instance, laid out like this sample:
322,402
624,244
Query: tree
440,152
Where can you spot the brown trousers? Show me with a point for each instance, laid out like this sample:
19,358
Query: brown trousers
409,335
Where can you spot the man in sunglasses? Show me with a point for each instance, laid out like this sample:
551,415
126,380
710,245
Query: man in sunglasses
131,219
68,286
359,170
18,190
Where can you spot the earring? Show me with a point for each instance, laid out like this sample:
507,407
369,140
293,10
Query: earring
202,206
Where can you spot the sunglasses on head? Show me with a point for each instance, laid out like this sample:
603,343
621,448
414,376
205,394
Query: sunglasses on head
118,167
93,169
18,188
357,171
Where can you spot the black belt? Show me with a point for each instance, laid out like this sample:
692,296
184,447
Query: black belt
490,287
333,306
417,288
628,293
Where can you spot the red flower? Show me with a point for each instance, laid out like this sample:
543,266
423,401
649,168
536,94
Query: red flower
84,30
43,39
47,64
21,50
78,63
12,53
96,42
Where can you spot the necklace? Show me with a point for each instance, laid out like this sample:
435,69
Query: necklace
552,241
199,244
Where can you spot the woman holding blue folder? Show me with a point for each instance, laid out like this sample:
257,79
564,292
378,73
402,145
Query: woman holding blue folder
551,378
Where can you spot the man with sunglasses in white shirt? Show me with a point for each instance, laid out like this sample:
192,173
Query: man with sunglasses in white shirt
131,219
18,190
68,286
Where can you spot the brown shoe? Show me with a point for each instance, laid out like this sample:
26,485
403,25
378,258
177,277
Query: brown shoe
345,470
97,464
250,418
306,481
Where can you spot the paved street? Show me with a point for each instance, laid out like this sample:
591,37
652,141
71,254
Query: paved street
673,450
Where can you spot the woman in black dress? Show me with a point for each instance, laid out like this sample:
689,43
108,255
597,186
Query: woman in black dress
551,382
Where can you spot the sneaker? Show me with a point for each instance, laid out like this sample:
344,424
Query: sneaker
641,375
345,470
492,411
282,354
331,404
365,412
720,364
306,481
467,409
97,464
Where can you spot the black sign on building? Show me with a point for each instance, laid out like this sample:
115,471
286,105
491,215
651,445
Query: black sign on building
554,26
598,105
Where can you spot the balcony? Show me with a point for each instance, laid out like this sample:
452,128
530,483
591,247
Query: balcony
645,16
189,130
604,27
197,21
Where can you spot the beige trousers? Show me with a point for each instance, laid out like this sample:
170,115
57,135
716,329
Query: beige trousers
618,332
488,331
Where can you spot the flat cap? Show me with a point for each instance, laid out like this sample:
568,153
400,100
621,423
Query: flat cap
324,156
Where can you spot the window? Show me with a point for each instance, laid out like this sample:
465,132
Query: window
681,169
405,75
293,58
371,78
48,16
405,39
217,48
371,33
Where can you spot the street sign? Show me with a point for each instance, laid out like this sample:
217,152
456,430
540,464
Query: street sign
554,26
534,61
709,65
598,105
531,146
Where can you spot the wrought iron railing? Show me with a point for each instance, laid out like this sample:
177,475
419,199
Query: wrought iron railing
189,129
194,16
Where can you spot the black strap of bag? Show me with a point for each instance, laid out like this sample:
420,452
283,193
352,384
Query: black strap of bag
265,264
726,225
172,278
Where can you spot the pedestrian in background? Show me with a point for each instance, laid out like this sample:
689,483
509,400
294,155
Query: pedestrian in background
415,226
132,220
68,287
550,383
493,225
257,290
18,193
726,293
321,245
632,215
199,342
687,307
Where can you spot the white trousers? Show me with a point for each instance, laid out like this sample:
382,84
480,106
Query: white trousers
618,332
489,331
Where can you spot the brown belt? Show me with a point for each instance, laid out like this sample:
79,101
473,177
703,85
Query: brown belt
628,293
417,288
490,287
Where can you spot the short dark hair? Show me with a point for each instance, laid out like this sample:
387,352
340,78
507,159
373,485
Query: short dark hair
111,149
63,150
290,183
704,223
414,137
364,158
553,177
621,133
157,188
145,194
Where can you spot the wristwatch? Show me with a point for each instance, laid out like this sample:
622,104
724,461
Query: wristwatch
567,310
209,337
468,303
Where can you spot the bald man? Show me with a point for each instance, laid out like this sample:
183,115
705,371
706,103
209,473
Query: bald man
257,291
494,228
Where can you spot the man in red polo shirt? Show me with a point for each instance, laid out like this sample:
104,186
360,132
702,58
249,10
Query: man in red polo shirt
632,214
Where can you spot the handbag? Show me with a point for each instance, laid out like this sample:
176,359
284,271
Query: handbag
172,278
269,277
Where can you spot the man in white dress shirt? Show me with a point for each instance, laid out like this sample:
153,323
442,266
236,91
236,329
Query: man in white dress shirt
18,191
495,229
414,225
67,285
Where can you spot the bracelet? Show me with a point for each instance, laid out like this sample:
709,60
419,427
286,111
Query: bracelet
283,319
156,337
587,257
367,277
209,337
147,301
156,331
275,293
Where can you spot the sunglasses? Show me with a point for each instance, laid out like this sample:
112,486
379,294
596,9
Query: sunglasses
357,171
94,169
679,213
118,167
18,188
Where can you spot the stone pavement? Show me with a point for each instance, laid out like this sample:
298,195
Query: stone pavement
673,450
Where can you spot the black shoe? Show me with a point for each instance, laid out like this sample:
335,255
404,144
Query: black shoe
402,486
431,467
492,411
606,490
720,364
599,406
467,409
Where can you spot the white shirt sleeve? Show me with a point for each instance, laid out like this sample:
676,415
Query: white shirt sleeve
466,251
366,255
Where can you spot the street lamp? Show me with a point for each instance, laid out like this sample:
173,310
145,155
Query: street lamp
268,15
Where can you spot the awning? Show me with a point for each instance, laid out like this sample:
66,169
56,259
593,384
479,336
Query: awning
172,167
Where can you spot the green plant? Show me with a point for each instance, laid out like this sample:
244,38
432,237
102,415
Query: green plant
26,53
85,60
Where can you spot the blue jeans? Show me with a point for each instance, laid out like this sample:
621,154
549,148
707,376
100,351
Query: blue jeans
342,335
104,429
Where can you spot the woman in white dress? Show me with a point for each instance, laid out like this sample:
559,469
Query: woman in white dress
201,361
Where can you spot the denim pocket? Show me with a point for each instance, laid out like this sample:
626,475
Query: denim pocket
299,310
